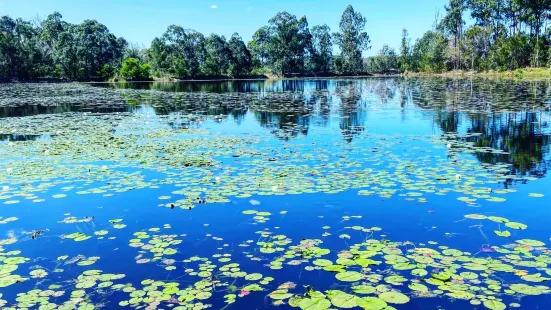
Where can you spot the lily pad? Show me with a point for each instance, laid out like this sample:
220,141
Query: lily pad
371,303
349,276
394,297
494,305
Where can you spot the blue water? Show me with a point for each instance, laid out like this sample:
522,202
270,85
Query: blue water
389,116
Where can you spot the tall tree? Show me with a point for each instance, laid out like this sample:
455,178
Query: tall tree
218,55
386,61
405,51
322,48
179,52
240,60
289,39
452,24
429,52
537,13
488,13
20,53
260,46
352,40
476,47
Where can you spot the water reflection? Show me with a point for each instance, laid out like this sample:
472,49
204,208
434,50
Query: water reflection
238,86
20,138
519,134
512,116
30,110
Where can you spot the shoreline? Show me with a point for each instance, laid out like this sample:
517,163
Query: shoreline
533,74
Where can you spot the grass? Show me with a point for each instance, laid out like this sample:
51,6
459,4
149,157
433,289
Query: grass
525,73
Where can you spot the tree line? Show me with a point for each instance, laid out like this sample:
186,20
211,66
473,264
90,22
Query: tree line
505,35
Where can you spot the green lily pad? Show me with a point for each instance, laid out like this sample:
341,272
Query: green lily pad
343,300
526,289
322,262
253,277
371,303
349,276
515,225
476,216
314,304
394,297
504,233
531,242
494,305
363,289
280,294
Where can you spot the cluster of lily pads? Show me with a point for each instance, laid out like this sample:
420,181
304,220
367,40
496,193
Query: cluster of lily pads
374,273
379,270
109,154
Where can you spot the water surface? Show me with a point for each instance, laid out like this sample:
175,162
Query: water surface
363,193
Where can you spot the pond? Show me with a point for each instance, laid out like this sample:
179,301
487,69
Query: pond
380,193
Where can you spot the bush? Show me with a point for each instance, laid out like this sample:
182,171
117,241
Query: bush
105,72
261,71
134,70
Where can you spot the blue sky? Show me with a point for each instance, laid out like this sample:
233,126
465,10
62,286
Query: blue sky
139,21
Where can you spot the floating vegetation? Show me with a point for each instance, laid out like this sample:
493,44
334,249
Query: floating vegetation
8,219
170,211
77,153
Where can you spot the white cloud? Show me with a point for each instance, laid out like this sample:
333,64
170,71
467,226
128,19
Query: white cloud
214,6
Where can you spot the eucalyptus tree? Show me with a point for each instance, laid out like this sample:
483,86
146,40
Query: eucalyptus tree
137,51
429,52
537,14
179,52
352,40
260,46
20,53
489,13
321,48
386,60
476,46
217,55
240,56
51,29
452,24
283,44
405,51
290,38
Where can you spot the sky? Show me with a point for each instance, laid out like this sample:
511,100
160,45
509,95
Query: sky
140,21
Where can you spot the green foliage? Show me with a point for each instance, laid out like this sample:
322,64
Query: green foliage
179,52
240,56
105,72
476,48
217,56
504,35
405,52
321,49
352,40
386,61
261,71
58,49
429,52
134,70
509,53
283,44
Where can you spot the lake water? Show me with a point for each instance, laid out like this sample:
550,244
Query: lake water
298,194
